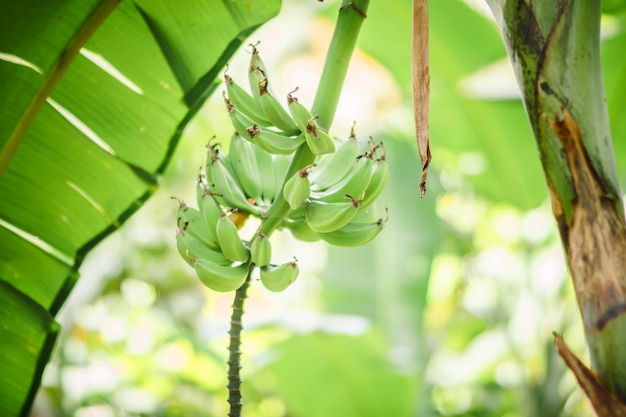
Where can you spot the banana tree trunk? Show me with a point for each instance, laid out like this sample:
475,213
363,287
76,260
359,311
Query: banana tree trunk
555,50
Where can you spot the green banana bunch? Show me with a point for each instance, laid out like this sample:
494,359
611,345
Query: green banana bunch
228,238
298,188
324,217
220,277
355,233
276,278
253,175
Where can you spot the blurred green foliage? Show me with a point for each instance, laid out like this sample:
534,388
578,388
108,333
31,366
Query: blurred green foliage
449,312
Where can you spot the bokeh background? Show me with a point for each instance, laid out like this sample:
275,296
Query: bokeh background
449,312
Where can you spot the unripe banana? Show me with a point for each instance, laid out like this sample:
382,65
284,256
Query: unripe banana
334,167
355,233
298,188
300,229
276,143
191,220
354,183
227,189
190,248
260,250
301,115
323,217
212,154
273,142
281,166
228,238
244,164
219,277
274,110
265,162
245,102
380,176
257,71
278,277
210,210
317,139
243,124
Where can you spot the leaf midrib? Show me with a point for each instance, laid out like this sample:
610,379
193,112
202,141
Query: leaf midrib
59,67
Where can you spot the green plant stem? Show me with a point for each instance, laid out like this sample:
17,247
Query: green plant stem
234,352
349,21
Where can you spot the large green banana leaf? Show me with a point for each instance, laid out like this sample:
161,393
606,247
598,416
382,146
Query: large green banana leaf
94,96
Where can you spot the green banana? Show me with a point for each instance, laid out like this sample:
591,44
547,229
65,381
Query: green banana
209,208
227,190
274,110
355,233
298,188
334,167
380,176
300,229
257,71
228,238
324,217
271,141
354,183
260,250
191,220
244,163
243,124
219,277
300,114
276,143
190,247
265,162
317,139
245,102
276,278
281,166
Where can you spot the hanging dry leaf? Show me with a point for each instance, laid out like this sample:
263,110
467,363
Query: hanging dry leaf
421,85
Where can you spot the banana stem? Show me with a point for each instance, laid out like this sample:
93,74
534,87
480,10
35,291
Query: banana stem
234,352
349,21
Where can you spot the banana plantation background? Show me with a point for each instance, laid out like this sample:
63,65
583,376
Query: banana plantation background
448,312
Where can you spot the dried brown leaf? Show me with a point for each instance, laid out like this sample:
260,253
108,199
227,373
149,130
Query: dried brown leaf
603,400
421,85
